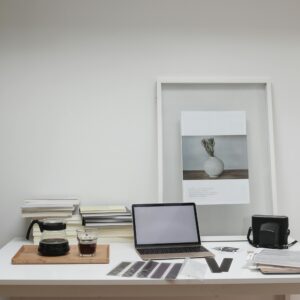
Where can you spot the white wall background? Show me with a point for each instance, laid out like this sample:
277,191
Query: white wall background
77,91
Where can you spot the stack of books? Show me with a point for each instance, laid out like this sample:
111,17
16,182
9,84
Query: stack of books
111,223
277,261
49,208
65,209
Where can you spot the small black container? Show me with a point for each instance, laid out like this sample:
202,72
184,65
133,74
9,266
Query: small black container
53,247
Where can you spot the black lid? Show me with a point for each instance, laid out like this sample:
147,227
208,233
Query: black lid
52,225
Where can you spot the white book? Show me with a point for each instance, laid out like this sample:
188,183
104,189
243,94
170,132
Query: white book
46,204
52,201
73,224
108,240
46,214
100,225
111,233
124,229
74,220
54,197
46,209
106,214
102,208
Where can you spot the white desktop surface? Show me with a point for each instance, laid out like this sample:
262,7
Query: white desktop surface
84,275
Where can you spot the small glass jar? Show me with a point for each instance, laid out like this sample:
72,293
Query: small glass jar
87,242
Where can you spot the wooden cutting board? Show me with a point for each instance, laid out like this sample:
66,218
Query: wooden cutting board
28,254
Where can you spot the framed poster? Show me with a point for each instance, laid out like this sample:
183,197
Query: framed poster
181,150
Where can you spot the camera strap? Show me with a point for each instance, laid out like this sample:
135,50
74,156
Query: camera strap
248,237
292,243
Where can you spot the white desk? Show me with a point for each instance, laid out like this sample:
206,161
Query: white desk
91,280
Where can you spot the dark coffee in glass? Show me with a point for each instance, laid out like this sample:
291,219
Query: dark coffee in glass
87,243
87,249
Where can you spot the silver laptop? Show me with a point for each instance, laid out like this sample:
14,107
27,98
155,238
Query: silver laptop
169,230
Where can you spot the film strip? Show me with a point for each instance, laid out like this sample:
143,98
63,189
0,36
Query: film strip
149,269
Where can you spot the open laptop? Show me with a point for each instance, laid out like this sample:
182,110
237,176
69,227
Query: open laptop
169,230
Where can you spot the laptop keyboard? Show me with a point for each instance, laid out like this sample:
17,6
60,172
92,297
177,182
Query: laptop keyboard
172,250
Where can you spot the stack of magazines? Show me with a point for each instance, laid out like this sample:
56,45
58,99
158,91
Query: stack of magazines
112,223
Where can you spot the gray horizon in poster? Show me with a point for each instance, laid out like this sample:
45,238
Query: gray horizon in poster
231,149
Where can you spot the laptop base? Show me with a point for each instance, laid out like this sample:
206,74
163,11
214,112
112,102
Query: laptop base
161,256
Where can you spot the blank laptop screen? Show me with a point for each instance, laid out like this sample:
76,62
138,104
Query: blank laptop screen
165,224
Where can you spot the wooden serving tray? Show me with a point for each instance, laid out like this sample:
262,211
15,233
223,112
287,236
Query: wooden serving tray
28,254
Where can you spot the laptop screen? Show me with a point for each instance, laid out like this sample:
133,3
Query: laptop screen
160,224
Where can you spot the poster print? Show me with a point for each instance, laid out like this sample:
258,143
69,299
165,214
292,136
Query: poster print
214,157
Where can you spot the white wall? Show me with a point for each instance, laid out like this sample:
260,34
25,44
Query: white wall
77,89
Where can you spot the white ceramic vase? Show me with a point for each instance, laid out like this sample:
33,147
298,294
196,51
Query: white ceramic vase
213,167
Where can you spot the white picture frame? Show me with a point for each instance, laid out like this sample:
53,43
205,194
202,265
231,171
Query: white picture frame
162,81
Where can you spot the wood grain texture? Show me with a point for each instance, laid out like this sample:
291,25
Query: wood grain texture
28,254
243,297
126,292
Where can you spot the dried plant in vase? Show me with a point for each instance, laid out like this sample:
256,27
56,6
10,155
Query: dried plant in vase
209,145
213,166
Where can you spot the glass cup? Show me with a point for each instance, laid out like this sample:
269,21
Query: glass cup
87,243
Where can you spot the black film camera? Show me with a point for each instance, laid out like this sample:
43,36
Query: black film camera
269,232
